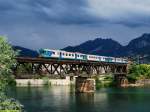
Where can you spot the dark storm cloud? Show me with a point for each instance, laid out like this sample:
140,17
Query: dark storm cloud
58,11
128,12
125,12
58,23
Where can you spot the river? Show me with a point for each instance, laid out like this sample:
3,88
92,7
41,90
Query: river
64,99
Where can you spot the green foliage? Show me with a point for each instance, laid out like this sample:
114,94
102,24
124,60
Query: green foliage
108,78
104,81
137,72
7,61
98,83
9,104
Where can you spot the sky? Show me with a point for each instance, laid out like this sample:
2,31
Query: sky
56,24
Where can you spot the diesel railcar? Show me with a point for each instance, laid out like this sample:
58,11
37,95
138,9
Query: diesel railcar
60,54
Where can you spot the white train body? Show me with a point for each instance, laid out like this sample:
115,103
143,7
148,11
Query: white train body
60,54
93,58
67,55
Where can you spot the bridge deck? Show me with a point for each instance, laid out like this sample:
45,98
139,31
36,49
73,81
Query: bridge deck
51,61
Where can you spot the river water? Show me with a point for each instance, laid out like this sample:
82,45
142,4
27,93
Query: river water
64,99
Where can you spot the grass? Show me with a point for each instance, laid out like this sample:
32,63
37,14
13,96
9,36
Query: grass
9,111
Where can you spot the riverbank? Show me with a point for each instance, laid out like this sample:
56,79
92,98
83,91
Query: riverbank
100,82
45,81
140,83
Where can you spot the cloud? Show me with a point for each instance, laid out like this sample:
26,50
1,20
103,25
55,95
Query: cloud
128,12
58,23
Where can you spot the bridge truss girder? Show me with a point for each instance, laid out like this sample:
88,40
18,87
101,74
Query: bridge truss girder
63,67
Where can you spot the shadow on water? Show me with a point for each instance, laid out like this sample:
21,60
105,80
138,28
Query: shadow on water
84,101
64,99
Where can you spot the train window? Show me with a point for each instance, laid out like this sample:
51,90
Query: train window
66,54
42,51
77,55
53,52
72,54
63,54
69,54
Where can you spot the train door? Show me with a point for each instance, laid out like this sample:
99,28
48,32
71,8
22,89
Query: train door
84,57
75,56
110,59
60,55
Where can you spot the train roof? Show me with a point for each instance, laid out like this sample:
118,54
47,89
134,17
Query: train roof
57,50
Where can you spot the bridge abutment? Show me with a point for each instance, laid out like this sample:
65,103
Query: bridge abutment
84,84
121,80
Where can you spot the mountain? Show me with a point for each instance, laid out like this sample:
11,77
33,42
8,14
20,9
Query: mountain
137,47
98,46
24,52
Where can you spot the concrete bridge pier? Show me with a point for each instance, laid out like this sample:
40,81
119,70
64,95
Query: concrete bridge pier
121,80
84,84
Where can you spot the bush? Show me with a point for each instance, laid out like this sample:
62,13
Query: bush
10,103
137,72
98,83
104,81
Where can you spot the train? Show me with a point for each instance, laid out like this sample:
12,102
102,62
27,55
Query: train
64,55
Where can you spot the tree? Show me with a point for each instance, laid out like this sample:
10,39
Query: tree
7,61
141,71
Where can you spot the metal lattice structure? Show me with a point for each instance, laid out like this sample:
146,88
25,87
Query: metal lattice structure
63,67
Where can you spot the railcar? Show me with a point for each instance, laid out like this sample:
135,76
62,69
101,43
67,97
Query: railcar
66,55
48,53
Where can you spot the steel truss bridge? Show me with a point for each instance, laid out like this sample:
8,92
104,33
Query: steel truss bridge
63,67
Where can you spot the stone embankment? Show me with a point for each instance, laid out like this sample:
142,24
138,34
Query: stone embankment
140,83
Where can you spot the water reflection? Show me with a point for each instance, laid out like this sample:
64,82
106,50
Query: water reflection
64,99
